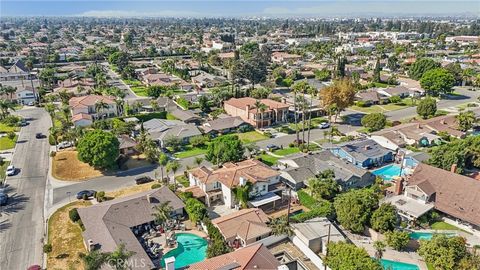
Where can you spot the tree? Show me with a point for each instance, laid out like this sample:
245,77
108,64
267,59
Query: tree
392,63
155,90
225,149
100,107
398,240
463,152
5,107
150,150
437,82
427,107
354,208
174,142
195,209
173,166
421,66
242,193
323,75
443,252
379,247
466,120
162,212
374,121
324,186
162,161
204,104
99,149
95,259
280,226
339,95
198,161
118,259
384,218
198,141
376,71
345,256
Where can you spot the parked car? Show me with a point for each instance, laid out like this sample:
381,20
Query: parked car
89,193
324,125
64,145
143,179
34,267
23,122
3,198
272,147
11,170
31,103
39,135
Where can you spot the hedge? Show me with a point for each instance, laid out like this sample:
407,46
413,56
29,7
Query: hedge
320,209
306,200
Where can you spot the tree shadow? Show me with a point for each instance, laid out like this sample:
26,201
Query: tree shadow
22,141
354,119
4,225
16,202
455,97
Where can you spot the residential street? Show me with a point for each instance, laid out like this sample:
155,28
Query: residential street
115,81
22,220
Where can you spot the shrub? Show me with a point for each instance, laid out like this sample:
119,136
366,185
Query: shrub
53,154
361,104
245,128
323,208
73,214
305,199
100,196
51,139
291,145
268,134
85,197
47,248
398,240
156,185
80,223
11,135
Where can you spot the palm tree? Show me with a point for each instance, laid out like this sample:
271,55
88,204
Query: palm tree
280,226
95,259
198,161
119,257
257,105
466,120
100,107
173,166
119,102
379,247
5,106
242,193
312,91
100,80
263,108
162,212
10,90
162,161
295,90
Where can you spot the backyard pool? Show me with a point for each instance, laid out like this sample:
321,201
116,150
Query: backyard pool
388,172
191,249
426,235
393,265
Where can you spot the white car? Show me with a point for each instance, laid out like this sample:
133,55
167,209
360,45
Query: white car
64,145
11,170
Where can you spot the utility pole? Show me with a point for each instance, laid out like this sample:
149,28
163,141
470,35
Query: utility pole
328,241
289,202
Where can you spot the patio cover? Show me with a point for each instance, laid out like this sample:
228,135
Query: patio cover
264,199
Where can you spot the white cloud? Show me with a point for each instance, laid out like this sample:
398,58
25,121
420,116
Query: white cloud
126,13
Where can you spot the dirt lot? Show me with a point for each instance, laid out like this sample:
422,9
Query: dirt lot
67,167
66,239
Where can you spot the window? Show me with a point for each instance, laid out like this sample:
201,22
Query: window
258,238
216,185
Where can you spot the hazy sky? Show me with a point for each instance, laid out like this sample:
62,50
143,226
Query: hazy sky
237,8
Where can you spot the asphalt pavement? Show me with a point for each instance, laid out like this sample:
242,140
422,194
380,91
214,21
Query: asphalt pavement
22,220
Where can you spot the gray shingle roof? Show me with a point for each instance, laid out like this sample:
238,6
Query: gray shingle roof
364,149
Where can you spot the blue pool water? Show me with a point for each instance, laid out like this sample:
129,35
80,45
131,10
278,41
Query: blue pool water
191,249
426,235
393,265
388,172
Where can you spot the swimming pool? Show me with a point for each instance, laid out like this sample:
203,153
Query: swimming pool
191,249
427,235
388,172
393,265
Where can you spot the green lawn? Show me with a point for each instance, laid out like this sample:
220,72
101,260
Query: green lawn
139,90
286,151
370,109
133,82
269,160
4,128
171,117
251,136
6,143
3,169
191,152
441,225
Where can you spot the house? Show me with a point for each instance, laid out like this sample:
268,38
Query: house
160,130
300,168
88,105
397,91
26,95
206,80
274,112
217,184
224,125
82,120
256,256
116,222
317,232
17,72
448,192
363,153
77,86
284,57
127,144
371,97
187,116
243,227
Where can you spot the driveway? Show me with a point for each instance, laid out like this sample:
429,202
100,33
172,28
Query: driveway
116,81
22,220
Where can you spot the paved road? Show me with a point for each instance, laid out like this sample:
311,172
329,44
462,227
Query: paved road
116,81
22,220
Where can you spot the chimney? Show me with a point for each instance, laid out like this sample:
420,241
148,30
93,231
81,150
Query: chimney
366,147
149,198
170,263
243,181
91,245
453,169
418,126
247,111
443,122
399,186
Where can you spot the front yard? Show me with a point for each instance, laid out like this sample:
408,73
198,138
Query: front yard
405,103
190,151
139,90
67,167
3,169
268,159
7,143
6,128
66,239
286,151
251,136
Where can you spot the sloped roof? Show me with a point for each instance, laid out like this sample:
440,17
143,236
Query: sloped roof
256,256
246,224
455,194
223,123
89,100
